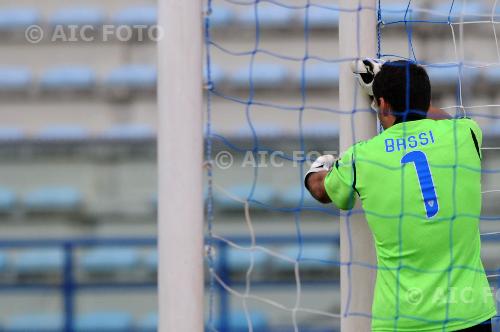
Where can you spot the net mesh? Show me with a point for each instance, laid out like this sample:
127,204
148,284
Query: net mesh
271,76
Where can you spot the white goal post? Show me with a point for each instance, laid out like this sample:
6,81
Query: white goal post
180,167
357,38
180,144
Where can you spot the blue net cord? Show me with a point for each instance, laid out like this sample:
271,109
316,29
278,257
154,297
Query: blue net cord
408,23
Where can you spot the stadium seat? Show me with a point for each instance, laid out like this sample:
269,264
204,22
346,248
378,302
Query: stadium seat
270,16
148,324
262,194
15,78
133,76
18,18
4,261
264,75
323,17
53,199
291,198
221,16
314,256
449,75
493,129
63,133
68,77
239,260
321,75
136,15
320,130
217,74
34,323
395,12
151,260
238,321
40,260
78,16
472,11
105,321
7,200
261,130
129,132
11,134
109,260
492,74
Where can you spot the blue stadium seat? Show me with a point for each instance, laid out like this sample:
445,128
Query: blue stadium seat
323,17
8,200
105,321
110,260
63,133
68,77
395,12
262,194
18,18
11,134
291,198
15,78
40,260
321,130
4,261
449,75
51,198
261,130
148,324
238,321
239,260
221,16
321,75
151,260
264,75
492,74
472,11
78,16
129,132
217,74
314,256
136,15
493,129
133,76
270,16
34,323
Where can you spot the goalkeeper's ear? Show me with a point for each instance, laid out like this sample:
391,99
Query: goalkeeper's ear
385,115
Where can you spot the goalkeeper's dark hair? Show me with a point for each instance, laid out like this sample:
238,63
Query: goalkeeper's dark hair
409,102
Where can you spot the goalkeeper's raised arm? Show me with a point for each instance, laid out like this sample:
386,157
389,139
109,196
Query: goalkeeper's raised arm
416,180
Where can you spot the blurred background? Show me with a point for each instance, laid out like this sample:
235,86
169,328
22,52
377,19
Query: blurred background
78,152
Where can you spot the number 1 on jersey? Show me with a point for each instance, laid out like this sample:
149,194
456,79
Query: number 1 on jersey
425,179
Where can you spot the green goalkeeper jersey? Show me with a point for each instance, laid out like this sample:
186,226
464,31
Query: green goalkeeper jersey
420,186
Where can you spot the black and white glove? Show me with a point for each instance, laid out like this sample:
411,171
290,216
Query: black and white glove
323,163
365,71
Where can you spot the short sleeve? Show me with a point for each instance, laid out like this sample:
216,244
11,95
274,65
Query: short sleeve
340,181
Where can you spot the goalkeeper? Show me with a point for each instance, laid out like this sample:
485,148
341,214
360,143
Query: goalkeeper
419,182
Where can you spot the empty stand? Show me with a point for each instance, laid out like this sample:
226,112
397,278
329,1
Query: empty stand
53,199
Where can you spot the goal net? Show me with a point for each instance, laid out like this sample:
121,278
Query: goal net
272,70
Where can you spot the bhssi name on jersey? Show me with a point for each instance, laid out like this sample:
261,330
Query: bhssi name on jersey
413,141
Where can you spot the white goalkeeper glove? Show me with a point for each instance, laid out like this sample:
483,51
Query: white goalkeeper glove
365,71
323,163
